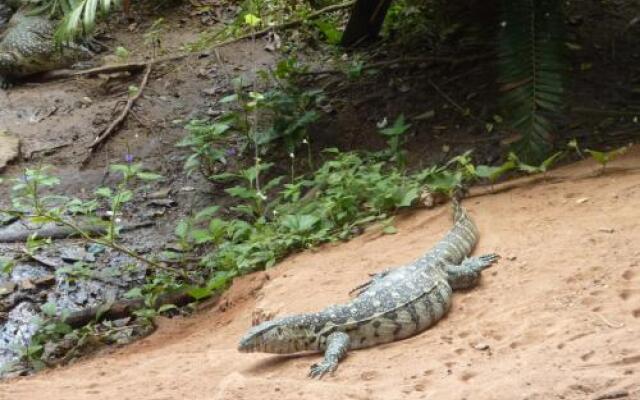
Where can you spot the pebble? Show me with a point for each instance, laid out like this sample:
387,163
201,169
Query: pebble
7,288
481,346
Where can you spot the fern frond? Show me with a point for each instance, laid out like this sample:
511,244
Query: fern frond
531,72
80,17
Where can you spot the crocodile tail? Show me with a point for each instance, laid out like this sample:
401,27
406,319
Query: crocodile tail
458,211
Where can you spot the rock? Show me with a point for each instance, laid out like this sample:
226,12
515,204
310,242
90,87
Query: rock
73,254
46,280
26,284
7,219
9,148
160,194
7,288
582,200
95,248
167,203
481,346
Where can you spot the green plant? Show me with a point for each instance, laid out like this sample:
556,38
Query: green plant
605,157
153,36
544,166
79,16
32,201
396,138
494,173
532,72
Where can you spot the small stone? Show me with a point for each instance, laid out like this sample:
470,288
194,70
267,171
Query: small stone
46,280
95,248
607,230
73,254
9,148
7,288
166,203
512,258
481,346
159,194
26,284
582,200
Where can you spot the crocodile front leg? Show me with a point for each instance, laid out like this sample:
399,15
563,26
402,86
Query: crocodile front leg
337,347
5,83
467,274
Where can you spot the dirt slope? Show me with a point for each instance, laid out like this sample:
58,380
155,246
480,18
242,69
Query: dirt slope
560,313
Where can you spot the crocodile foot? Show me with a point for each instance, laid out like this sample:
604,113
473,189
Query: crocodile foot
322,368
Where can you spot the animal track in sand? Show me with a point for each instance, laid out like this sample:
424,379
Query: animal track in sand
628,275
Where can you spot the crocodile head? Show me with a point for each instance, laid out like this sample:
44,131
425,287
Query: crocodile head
281,336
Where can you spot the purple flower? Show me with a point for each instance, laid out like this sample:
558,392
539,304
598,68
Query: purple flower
128,158
231,152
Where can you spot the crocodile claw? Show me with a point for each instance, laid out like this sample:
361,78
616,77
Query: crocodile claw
489,259
320,369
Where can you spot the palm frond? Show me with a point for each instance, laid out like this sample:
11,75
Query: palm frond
532,72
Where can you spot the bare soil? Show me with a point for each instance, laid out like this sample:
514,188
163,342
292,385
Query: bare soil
557,318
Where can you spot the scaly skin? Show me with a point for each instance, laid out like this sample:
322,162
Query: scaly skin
394,305
27,47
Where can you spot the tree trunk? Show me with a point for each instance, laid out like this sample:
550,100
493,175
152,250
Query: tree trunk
366,21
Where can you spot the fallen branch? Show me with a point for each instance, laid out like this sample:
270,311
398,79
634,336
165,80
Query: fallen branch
105,69
124,308
118,121
400,61
21,233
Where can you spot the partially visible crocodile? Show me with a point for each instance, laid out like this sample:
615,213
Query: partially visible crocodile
27,47
394,305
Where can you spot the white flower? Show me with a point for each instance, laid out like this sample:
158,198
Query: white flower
304,141
291,155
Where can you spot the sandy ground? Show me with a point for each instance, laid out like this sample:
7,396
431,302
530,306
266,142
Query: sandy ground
557,318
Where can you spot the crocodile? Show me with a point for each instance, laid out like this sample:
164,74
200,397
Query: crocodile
393,305
27,47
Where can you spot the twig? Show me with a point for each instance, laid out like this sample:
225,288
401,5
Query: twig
457,106
400,61
118,121
609,323
106,69
613,113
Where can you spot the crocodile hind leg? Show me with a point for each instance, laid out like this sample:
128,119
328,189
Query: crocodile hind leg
337,347
467,274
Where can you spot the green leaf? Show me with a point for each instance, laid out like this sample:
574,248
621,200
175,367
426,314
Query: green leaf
134,293
49,309
206,213
148,176
104,192
166,307
390,230
251,20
